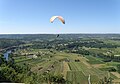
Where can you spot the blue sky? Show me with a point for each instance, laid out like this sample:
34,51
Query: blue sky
81,16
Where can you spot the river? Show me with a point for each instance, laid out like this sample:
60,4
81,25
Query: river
6,55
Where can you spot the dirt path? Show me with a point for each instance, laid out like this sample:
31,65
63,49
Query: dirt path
116,74
98,65
65,69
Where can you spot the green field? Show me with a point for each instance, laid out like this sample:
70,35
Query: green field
78,73
93,60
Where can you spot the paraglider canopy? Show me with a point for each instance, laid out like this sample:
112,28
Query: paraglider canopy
59,17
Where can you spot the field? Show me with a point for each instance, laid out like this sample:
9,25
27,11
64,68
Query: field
57,63
69,59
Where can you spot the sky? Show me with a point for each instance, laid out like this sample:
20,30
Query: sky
81,16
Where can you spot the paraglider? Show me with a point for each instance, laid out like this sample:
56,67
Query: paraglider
60,18
58,35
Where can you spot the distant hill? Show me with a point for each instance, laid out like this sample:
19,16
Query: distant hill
63,36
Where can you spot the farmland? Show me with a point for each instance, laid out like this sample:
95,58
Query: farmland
68,59
76,72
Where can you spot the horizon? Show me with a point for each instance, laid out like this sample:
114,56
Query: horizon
52,33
